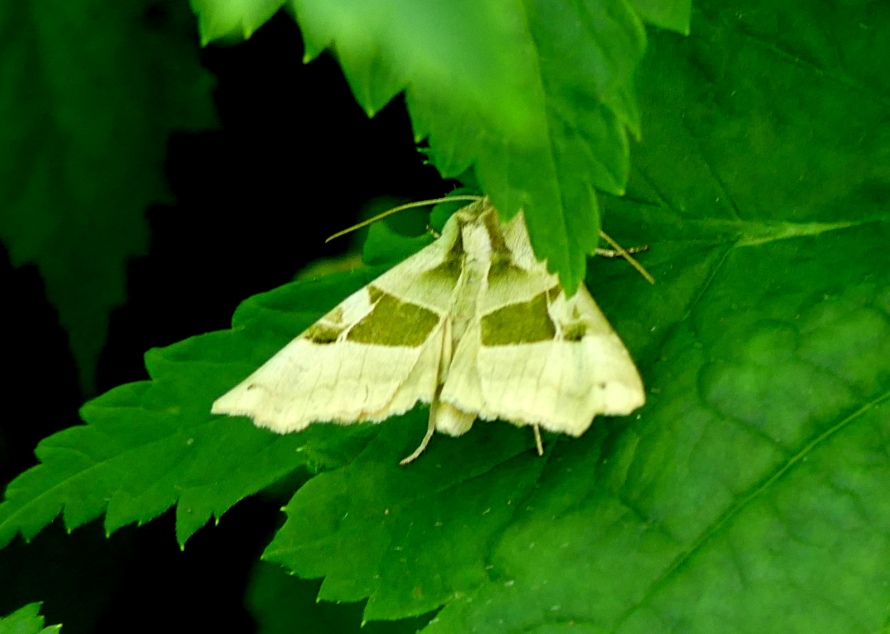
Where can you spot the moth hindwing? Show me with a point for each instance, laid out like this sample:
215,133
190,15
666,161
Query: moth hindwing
472,324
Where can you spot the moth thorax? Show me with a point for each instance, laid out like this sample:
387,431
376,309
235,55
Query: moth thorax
473,278
477,240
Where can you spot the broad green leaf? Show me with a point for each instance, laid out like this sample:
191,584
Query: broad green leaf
26,620
536,96
88,93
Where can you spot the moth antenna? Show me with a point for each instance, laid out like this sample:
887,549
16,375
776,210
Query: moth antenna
624,253
627,256
395,210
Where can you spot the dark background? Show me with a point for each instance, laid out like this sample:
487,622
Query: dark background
294,160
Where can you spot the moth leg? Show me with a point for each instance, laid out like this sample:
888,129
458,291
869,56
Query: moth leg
618,250
444,363
538,443
430,429
615,253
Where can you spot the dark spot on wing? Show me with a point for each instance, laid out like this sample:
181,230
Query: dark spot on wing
393,322
322,333
522,322
574,331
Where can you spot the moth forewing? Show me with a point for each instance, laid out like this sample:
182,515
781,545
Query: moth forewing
535,356
375,355
473,324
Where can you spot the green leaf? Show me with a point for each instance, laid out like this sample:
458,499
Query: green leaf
536,96
26,620
83,141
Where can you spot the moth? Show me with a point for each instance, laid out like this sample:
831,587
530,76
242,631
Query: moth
473,324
